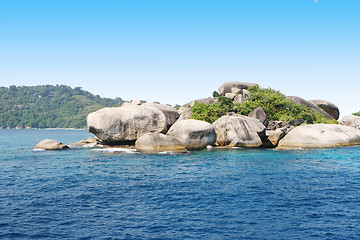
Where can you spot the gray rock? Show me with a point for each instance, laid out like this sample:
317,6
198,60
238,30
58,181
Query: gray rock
236,90
158,142
260,115
239,99
274,136
123,125
301,101
136,102
89,141
351,121
234,130
170,113
49,144
209,100
226,87
230,95
194,134
185,113
328,107
320,136
246,94
273,125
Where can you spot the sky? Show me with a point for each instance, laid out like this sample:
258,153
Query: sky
175,51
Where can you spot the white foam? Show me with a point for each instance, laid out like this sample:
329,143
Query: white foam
168,152
38,150
89,145
115,150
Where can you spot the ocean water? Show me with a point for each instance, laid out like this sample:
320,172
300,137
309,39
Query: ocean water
211,194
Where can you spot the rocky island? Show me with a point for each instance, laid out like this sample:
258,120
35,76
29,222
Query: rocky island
238,115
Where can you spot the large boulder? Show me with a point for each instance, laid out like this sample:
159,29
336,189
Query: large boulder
158,142
239,99
312,106
49,144
194,134
320,136
170,113
230,95
235,130
260,115
226,87
328,107
351,121
123,125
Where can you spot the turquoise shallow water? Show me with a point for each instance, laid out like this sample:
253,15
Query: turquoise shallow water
212,194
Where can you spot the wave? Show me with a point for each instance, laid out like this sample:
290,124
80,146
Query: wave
115,150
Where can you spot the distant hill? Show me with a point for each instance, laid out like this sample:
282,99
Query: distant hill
49,106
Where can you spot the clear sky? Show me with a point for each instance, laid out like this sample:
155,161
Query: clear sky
174,51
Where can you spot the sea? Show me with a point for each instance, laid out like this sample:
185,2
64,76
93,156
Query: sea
87,193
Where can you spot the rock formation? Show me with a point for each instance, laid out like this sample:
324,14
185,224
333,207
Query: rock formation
312,106
226,87
320,136
158,142
351,120
171,114
328,107
260,115
123,125
194,134
49,144
235,130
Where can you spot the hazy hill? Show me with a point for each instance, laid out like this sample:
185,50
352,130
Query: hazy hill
49,106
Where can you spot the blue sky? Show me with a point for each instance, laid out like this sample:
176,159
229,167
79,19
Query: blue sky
175,51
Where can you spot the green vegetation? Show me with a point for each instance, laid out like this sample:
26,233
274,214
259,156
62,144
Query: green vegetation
49,106
357,114
275,105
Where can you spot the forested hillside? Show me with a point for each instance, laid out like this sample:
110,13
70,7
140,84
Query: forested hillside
49,106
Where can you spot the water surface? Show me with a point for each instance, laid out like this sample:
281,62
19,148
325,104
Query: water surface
211,194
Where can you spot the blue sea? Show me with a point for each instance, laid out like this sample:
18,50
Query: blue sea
85,193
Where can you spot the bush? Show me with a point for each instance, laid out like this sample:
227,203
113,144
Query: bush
275,105
357,114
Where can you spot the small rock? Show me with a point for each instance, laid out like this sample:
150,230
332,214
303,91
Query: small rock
158,142
230,95
239,99
226,87
351,121
49,144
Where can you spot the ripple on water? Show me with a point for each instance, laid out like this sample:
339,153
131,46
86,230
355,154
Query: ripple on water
211,194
